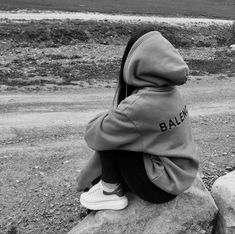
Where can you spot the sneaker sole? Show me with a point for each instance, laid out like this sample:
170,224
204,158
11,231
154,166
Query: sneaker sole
107,205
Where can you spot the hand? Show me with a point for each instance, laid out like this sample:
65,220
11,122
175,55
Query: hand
82,183
89,173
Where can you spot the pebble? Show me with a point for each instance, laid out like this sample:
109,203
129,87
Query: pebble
232,47
51,210
230,168
66,161
71,219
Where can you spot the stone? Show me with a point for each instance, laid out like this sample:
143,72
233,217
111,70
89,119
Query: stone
232,47
192,212
223,192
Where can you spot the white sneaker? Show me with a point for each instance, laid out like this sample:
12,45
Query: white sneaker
98,199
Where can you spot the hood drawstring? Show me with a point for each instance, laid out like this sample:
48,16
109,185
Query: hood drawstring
126,95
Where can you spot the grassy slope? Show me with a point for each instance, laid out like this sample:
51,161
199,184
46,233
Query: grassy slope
71,39
207,8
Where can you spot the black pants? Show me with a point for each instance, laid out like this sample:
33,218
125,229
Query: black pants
128,168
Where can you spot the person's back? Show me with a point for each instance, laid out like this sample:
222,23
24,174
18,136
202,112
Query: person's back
161,117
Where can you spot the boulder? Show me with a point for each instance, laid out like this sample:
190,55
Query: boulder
192,212
223,191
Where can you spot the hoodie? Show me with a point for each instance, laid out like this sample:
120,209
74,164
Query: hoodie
154,119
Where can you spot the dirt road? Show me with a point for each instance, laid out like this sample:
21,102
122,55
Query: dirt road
42,148
50,109
40,15
27,111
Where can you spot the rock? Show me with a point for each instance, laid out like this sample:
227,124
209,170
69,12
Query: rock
232,47
192,212
223,191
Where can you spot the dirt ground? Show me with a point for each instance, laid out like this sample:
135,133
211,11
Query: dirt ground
42,148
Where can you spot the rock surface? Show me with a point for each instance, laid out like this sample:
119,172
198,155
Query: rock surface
223,192
192,212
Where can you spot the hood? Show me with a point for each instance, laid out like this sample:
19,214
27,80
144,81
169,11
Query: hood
153,61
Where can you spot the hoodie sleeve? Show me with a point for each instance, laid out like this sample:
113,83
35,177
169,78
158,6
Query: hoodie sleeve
112,131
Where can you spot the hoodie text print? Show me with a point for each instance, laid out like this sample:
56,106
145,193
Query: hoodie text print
174,122
154,119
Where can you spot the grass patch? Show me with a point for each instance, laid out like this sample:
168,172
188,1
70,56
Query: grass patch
215,66
42,65
56,33
58,73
